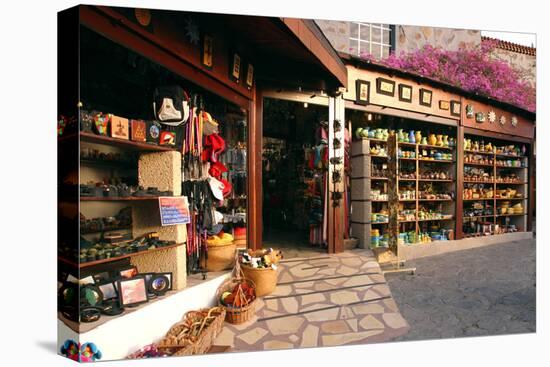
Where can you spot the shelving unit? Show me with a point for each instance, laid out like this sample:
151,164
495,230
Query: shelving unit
365,159
494,222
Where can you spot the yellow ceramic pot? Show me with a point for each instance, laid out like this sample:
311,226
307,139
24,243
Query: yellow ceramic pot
432,140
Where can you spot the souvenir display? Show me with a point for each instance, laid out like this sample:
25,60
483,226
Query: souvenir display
132,291
138,130
120,128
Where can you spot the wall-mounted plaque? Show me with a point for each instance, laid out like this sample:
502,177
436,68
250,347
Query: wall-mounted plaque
385,86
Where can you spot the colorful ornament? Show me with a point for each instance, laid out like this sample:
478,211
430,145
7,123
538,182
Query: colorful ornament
502,120
514,121
492,116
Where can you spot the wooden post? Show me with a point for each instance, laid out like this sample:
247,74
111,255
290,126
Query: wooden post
393,195
254,179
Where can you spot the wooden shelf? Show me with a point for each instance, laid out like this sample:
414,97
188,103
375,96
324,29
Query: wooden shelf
523,198
511,183
511,215
434,147
375,140
126,144
123,228
407,159
482,199
129,198
378,201
478,164
406,144
424,200
500,155
509,167
407,179
109,164
406,200
434,180
436,160
474,152
479,216
96,262
379,178
479,182
438,219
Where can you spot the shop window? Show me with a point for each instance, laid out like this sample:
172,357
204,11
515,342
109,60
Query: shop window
371,38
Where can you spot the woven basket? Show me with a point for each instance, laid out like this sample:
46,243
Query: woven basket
220,257
236,315
264,278
205,324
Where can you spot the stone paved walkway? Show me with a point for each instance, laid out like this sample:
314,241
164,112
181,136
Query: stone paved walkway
483,291
342,295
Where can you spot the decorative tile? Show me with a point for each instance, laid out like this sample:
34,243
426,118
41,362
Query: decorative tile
312,298
370,322
344,297
310,336
277,344
252,336
394,320
290,304
335,327
285,325
340,339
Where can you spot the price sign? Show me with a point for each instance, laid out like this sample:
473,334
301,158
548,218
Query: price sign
174,210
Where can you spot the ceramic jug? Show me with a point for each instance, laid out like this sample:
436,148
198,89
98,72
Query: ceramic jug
378,134
418,137
412,138
439,142
445,140
424,141
400,135
432,139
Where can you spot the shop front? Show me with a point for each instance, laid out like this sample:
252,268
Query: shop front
465,163
150,208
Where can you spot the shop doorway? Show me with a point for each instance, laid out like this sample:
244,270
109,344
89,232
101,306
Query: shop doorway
294,177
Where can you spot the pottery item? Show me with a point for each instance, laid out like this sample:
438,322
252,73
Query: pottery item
439,141
445,140
432,139
400,135
378,134
385,134
412,138
424,141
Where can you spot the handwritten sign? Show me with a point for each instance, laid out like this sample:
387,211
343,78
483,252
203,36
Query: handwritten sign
174,210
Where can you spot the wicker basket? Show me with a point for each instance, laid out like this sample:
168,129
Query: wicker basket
206,325
264,278
236,315
220,257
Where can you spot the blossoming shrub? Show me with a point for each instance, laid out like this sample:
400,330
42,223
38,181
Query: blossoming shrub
470,69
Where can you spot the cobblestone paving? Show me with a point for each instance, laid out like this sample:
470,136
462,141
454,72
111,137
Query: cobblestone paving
483,291
324,301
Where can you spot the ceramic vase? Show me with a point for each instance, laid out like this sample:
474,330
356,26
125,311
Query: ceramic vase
424,141
432,139
418,137
412,138
445,140
400,135
378,134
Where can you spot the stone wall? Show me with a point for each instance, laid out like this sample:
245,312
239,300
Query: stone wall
525,64
411,38
337,32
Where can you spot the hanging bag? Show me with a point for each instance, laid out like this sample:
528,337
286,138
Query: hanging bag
171,105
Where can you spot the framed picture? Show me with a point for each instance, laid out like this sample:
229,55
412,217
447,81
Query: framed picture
159,283
425,97
108,289
133,291
249,76
119,128
87,280
385,86
90,295
235,71
207,52
444,105
128,273
362,92
405,93
138,130
455,108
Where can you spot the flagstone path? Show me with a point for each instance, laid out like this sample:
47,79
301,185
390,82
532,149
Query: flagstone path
321,301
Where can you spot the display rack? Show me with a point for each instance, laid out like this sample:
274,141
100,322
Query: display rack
492,214
416,184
